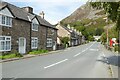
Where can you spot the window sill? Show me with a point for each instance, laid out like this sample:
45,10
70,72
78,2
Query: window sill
4,50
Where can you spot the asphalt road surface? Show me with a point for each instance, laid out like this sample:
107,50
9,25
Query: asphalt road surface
84,61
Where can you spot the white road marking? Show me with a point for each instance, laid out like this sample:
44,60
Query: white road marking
105,58
77,54
84,50
55,63
103,55
94,49
91,45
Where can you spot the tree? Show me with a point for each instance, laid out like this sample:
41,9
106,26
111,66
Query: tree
99,31
65,40
112,10
90,38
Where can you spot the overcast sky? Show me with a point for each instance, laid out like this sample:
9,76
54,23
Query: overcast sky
55,10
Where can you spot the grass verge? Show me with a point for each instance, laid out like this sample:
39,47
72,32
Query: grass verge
8,56
35,52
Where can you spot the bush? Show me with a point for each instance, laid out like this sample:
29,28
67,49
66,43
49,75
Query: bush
98,40
90,38
38,51
18,55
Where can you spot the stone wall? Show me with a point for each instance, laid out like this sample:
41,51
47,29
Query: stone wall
43,37
20,28
52,33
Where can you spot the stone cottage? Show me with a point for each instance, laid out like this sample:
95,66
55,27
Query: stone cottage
21,30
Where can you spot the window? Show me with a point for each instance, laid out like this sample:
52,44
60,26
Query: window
6,21
5,43
3,19
34,43
49,42
34,27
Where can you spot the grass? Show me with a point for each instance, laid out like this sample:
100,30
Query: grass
12,55
116,48
35,52
86,21
110,70
100,13
17,55
0,57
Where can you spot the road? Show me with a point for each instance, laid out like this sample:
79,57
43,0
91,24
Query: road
84,61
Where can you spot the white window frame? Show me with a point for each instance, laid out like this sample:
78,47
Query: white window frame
5,40
49,42
8,21
35,26
34,41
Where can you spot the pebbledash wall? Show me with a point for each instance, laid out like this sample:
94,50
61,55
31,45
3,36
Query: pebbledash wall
21,30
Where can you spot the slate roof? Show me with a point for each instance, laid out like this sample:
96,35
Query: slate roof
69,30
44,22
16,11
24,15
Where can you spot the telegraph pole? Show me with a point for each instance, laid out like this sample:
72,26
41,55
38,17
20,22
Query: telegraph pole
107,33
107,39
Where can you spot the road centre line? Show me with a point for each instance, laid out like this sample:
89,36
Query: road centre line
77,54
83,50
55,63
103,55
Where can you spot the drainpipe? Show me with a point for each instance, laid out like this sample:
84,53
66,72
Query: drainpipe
46,37
30,34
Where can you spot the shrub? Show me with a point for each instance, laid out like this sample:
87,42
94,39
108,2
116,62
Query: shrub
18,55
116,48
98,40
90,38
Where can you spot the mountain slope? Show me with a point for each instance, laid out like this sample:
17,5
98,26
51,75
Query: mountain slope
84,12
90,22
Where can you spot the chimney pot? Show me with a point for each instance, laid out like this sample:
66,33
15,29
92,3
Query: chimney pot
42,14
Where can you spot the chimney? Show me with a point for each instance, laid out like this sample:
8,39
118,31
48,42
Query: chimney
59,23
68,26
72,28
75,30
28,9
42,14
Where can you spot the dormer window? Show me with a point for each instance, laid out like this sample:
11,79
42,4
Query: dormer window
6,21
3,19
35,27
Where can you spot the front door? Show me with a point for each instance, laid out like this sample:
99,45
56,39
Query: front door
54,45
22,45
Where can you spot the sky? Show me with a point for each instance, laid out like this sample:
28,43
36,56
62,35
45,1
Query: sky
55,10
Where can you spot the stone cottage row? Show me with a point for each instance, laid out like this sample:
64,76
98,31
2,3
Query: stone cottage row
76,37
21,30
